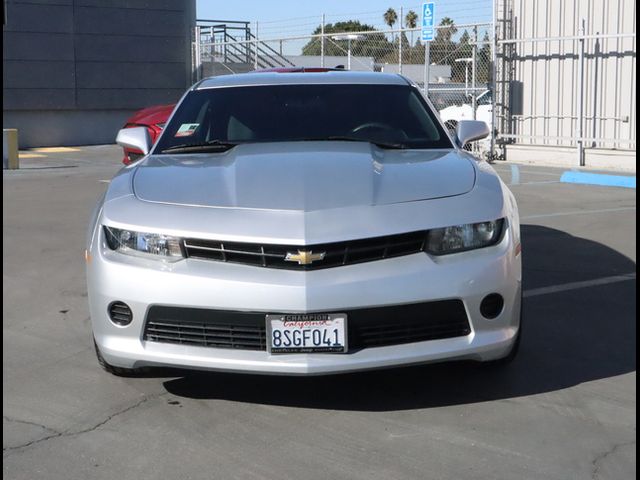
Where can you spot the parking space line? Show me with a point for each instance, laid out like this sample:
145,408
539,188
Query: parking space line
542,182
599,179
578,212
577,285
515,175
56,149
528,172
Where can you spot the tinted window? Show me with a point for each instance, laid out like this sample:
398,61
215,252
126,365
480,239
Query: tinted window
377,113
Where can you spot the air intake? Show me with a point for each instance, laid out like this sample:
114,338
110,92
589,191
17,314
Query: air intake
120,313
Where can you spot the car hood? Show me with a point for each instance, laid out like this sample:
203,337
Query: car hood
303,176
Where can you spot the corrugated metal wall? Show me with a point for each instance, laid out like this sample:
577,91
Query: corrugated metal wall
544,76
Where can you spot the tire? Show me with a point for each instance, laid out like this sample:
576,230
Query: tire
117,371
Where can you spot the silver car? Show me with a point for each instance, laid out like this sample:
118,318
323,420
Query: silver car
300,224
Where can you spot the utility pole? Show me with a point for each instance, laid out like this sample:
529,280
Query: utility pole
474,72
400,43
255,58
322,41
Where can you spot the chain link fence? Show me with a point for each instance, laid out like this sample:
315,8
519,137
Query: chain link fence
571,90
457,63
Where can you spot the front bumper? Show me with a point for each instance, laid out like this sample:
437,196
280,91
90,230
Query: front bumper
141,283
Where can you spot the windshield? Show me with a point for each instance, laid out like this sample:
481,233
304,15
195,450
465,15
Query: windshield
390,115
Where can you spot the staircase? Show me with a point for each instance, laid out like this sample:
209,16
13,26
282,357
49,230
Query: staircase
230,47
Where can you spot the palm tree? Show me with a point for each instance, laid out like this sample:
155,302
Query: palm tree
411,20
449,29
390,17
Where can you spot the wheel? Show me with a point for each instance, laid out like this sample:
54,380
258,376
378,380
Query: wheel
113,370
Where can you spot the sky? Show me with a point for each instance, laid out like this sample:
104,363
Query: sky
278,18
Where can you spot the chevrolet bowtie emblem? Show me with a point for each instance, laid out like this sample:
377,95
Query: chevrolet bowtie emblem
304,257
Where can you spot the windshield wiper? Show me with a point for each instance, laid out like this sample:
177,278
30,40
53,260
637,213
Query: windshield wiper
210,146
345,138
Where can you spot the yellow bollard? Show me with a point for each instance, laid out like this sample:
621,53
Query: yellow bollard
10,158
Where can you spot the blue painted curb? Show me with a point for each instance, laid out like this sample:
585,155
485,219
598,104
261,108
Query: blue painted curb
599,179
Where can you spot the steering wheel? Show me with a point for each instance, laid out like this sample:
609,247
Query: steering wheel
379,125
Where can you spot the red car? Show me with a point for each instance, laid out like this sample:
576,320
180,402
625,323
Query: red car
339,68
154,118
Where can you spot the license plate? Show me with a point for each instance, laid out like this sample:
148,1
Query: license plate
308,333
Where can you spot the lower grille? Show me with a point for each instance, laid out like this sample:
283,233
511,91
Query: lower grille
367,327
206,328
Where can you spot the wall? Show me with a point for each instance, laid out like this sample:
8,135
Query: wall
73,70
545,98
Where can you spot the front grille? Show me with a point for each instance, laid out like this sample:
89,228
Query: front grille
367,327
335,254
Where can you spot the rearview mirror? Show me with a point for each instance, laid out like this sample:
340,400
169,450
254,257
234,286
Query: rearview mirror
136,137
470,131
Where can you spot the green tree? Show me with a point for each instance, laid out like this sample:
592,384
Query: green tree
443,47
464,49
407,53
374,44
484,60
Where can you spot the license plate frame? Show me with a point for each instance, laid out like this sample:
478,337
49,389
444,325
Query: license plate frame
325,323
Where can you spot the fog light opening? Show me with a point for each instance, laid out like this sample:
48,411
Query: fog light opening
120,313
492,305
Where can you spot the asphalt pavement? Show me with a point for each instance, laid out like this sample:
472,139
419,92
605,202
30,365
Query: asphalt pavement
565,409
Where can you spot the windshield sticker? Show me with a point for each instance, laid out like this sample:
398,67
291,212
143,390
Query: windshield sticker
187,129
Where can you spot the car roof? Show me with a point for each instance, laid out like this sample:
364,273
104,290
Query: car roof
306,78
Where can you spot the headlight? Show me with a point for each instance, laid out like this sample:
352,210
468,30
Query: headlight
163,247
441,241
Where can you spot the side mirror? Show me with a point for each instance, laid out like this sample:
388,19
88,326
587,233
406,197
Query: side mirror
470,131
137,138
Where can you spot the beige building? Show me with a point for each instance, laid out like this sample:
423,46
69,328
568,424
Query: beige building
566,72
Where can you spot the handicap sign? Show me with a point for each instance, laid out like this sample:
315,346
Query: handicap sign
428,24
